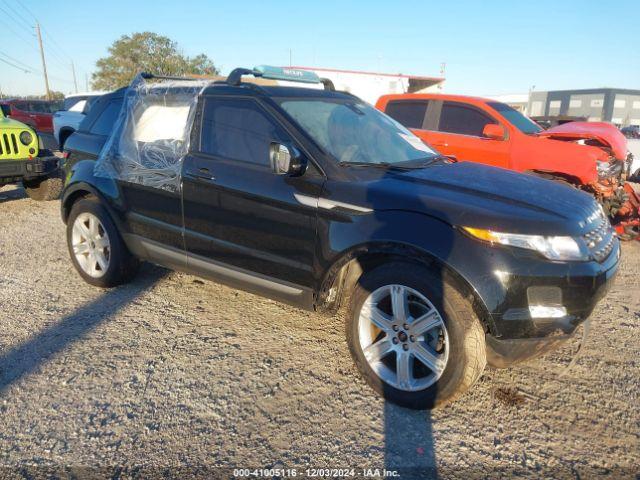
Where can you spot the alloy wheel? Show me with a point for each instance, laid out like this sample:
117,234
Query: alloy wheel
403,337
91,245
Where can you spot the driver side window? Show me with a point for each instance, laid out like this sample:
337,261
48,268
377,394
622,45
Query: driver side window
239,129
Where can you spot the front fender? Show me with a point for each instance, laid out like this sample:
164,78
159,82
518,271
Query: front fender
410,235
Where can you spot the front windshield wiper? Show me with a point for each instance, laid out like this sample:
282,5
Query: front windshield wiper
379,165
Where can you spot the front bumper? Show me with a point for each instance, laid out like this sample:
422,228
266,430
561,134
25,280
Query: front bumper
12,171
509,283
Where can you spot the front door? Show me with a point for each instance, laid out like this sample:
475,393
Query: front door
243,224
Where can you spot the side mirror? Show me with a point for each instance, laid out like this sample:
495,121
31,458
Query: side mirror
286,160
493,131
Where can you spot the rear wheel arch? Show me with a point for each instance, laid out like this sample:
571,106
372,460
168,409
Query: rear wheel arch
70,199
341,278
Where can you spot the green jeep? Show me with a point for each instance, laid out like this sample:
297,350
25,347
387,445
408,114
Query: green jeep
21,160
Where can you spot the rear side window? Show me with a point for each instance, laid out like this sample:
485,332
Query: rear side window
107,118
408,113
463,120
238,129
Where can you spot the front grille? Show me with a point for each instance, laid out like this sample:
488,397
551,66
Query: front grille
600,240
8,144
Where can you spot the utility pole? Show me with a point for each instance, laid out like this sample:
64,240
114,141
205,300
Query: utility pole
75,82
86,82
44,64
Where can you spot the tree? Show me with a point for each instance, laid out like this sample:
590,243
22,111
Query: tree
146,52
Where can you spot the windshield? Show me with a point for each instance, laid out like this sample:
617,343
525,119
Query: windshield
354,132
517,119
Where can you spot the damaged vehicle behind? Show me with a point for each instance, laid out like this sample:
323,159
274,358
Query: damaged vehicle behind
591,156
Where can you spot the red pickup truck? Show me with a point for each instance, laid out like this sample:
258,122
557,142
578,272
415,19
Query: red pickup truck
38,114
590,155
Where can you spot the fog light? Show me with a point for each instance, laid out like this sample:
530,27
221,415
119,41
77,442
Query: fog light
547,311
545,302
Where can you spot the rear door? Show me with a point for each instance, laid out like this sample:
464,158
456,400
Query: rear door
459,133
243,224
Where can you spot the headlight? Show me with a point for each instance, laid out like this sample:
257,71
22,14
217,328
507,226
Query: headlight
26,138
608,169
553,248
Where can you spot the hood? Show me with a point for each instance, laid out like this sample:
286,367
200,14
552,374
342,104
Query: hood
603,133
10,123
476,195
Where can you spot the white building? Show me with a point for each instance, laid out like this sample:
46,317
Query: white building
371,85
519,101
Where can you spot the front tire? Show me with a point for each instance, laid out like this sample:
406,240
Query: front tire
414,337
96,248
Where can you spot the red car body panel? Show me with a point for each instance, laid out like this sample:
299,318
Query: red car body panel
604,133
517,151
23,111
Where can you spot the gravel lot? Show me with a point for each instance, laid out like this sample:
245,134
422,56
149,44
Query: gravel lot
173,371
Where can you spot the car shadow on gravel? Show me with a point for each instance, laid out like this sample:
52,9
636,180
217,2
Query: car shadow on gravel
11,195
26,358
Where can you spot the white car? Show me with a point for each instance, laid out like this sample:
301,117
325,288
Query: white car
67,120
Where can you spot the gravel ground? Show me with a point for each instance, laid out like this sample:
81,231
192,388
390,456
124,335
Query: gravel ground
172,371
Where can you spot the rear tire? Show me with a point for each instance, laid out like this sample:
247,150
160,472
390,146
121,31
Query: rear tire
455,342
44,189
96,248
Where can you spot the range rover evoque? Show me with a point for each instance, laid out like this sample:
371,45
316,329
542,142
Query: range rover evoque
312,197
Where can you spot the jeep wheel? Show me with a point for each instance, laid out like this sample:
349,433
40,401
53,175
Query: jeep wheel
96,248
414,337
44,189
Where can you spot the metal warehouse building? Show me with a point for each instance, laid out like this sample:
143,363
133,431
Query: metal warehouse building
616,105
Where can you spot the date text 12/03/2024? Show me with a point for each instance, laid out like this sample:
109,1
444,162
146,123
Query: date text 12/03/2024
316,472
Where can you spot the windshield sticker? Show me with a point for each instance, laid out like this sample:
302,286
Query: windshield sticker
416,143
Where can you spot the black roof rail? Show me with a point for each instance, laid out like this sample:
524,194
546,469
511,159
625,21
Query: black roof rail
148,76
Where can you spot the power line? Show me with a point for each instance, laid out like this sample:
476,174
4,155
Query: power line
34,70
14,66
16,17
19,35
26,22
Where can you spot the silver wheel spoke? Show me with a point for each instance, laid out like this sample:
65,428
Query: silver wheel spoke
102,242
403,369
399,303
81,248
378,350
425,323
377,317
101,260
431,361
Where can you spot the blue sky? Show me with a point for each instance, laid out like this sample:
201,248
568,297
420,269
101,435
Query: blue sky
490,47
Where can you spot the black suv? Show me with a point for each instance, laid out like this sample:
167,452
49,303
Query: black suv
315,198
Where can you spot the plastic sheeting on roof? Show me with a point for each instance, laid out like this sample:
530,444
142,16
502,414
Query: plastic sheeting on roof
151,134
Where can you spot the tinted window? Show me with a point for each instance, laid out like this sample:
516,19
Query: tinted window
6,109
522,123
106,119
458,118
239,130
410,114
